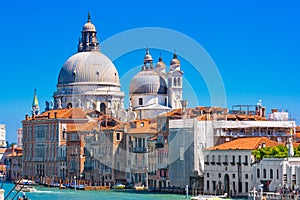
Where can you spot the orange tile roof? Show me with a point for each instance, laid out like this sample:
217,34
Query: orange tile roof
14,155
147,129
250,143
3,150
82,127
175,112
72,113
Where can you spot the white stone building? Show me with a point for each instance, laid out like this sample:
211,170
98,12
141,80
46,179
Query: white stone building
2,135
228,166
89,79
277,173
20,135
189,137
187,140
153,90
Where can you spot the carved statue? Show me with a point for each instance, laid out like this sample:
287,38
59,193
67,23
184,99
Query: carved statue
47,106
58,104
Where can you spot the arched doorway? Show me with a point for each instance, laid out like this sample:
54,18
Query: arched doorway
70,105
103,108
226,184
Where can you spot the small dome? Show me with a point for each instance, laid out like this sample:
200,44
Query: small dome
89,27
148,82
175,60
160,64
148,58
89,67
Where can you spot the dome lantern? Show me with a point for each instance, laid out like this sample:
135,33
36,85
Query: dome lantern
175,63
148,60
88,40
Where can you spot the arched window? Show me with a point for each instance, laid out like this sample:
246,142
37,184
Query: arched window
178,82
265,173
258,173
271,173
103,108
174,81
118,167
70,105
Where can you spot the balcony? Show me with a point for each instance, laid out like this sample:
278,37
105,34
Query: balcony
213,162
207,163
225,163
218,163
232,163
159,145
88,169
139,150
245,163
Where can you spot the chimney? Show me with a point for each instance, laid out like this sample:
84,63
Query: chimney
184,104
26,117
55,115
48,115
125,128
274,110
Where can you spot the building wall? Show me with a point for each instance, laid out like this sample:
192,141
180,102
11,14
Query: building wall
2,135
187,140
20,135
228,171
277,173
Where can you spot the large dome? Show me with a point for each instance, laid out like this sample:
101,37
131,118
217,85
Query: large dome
89,67
148,82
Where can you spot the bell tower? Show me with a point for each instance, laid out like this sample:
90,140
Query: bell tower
175,83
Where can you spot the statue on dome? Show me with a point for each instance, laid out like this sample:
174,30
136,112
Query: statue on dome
47,106
58,104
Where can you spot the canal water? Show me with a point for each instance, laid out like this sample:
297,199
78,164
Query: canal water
69,194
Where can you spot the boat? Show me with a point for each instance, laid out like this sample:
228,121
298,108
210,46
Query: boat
210,197
119,186
25,182
25,188
139,188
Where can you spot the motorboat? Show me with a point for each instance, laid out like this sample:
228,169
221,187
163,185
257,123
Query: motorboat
139,187
119,186
25,188
25,182
210,197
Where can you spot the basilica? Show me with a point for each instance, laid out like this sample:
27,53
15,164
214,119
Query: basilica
89,80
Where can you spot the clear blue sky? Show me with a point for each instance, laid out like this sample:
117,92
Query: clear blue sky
255,45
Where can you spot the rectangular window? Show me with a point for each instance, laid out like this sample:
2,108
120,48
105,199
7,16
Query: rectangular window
140,101
118,136
181,153
207,158
246,186
207,185
246,160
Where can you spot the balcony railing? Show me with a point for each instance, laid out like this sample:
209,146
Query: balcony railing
225,163
139,150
